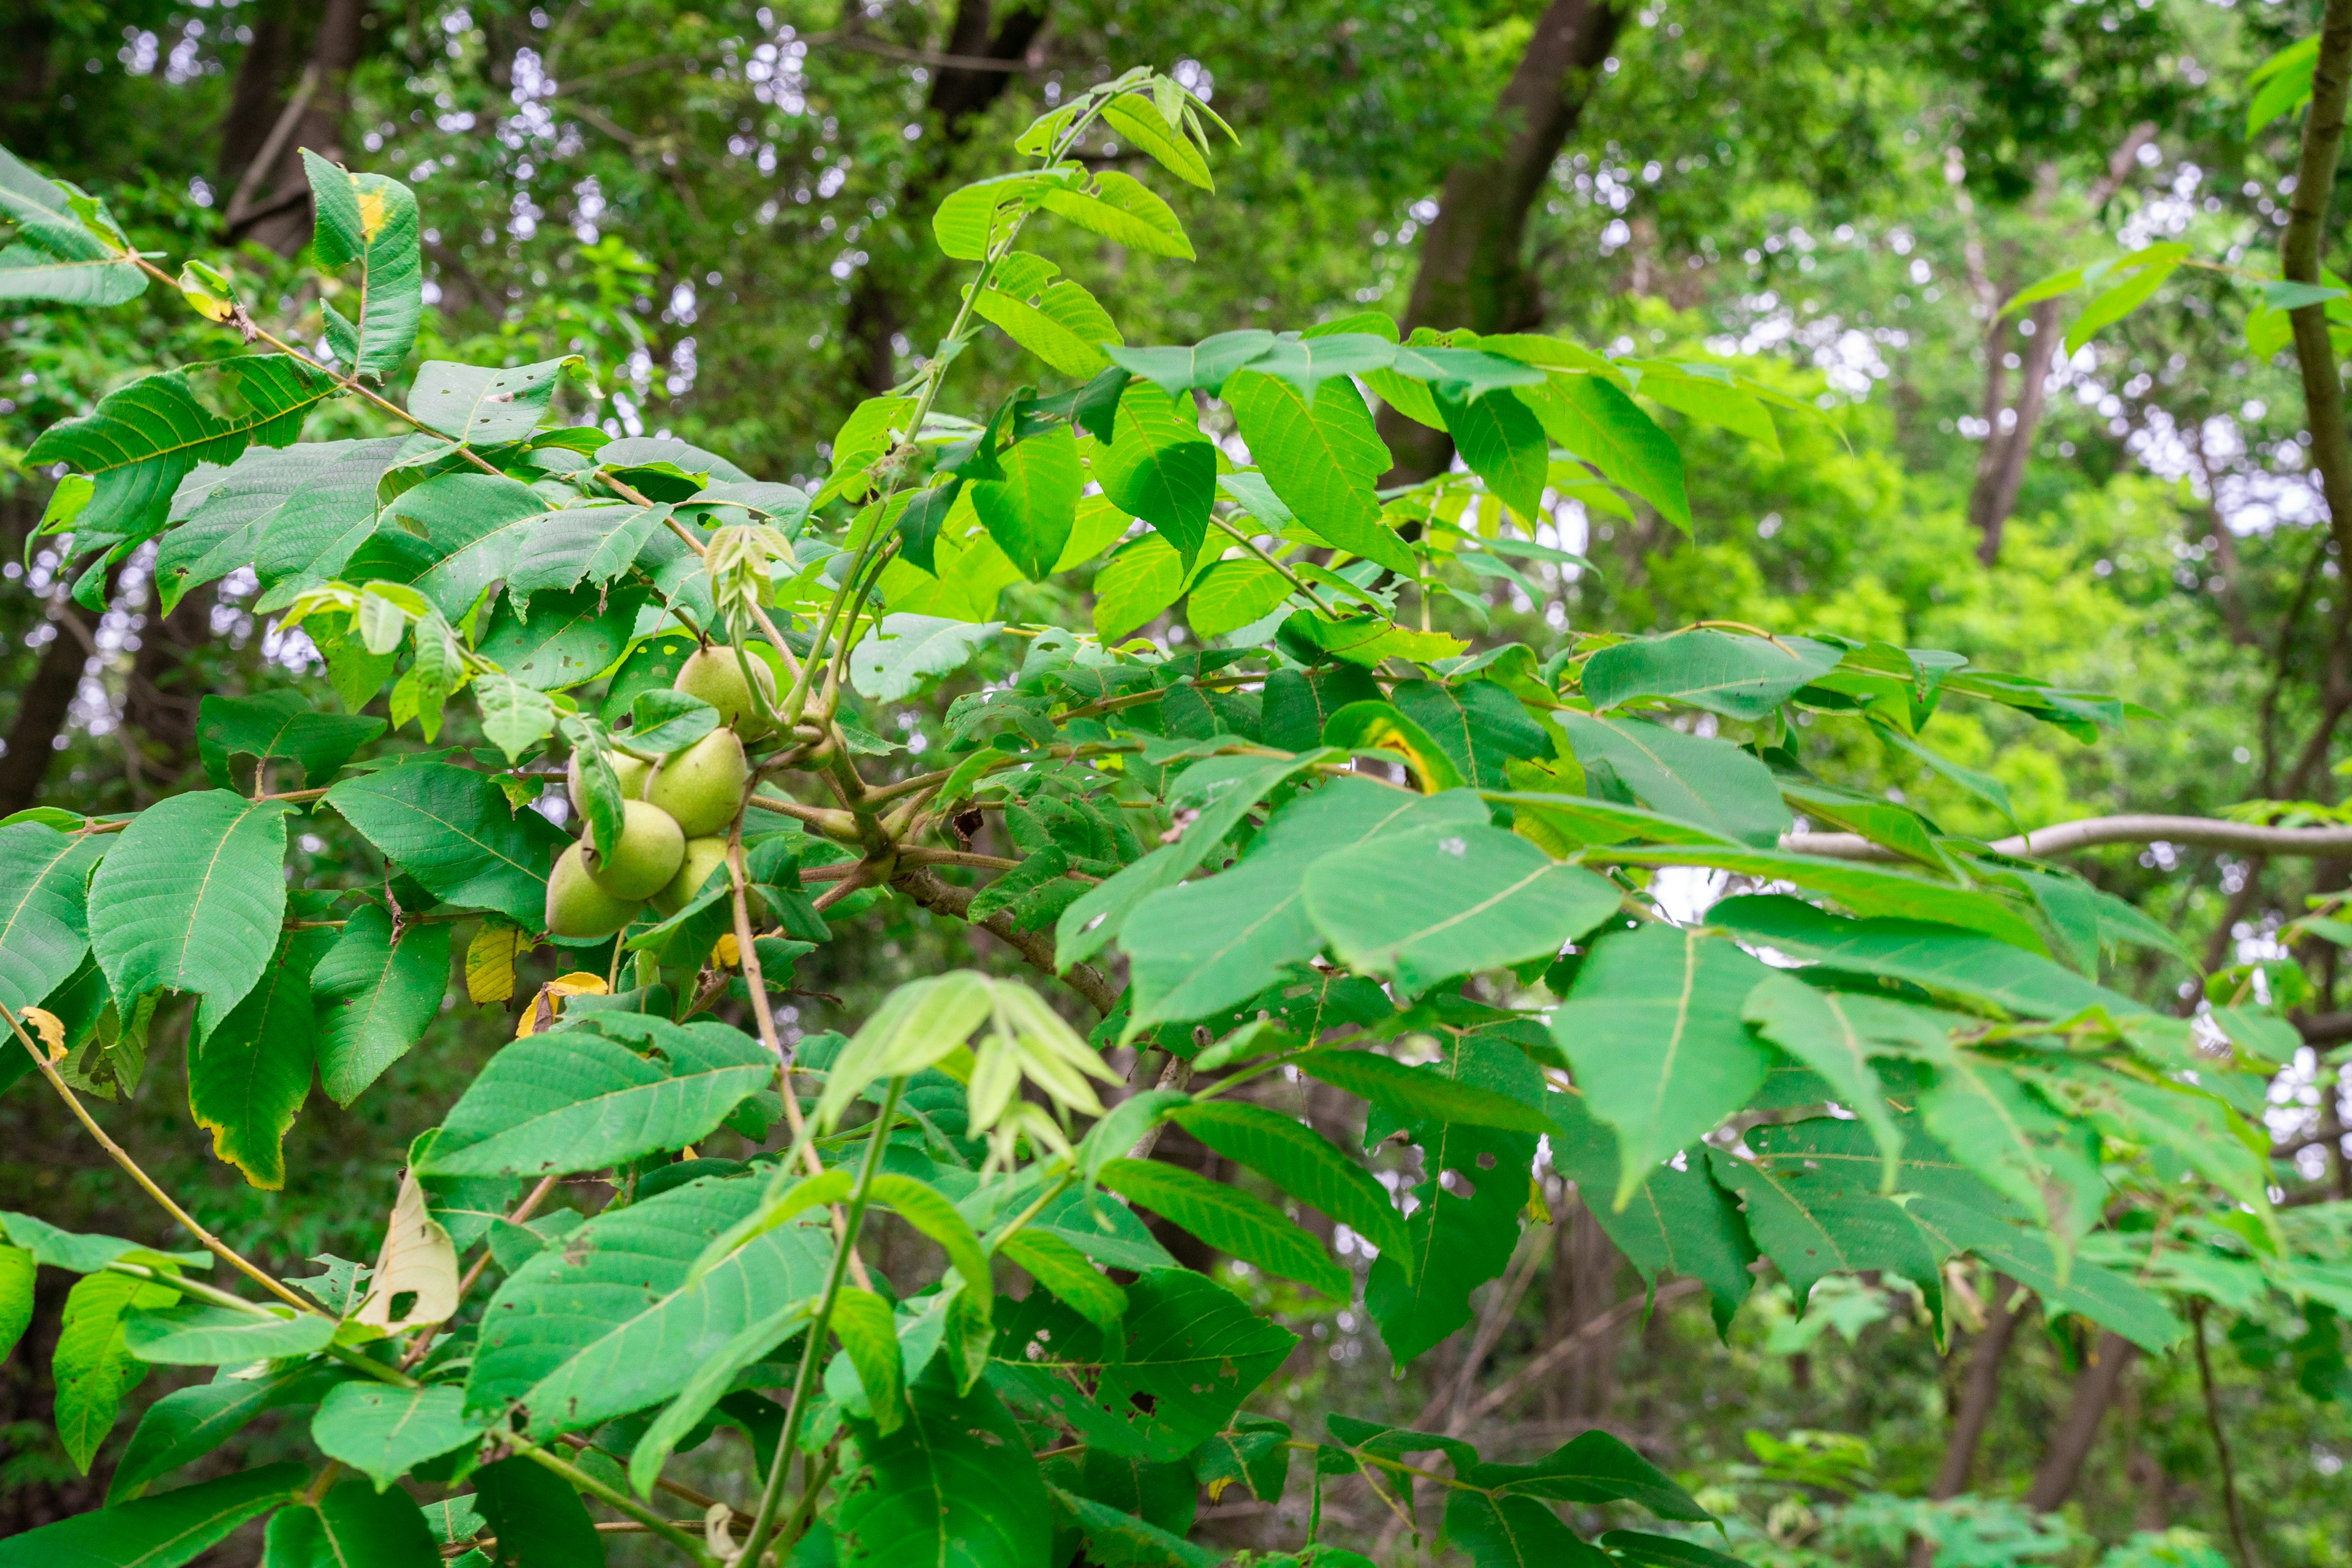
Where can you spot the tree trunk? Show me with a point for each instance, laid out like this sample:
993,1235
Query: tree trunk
2001,467
270,202
960,95
1979,1393
162,693
2095,1389
1474,270
42,707
1582,1287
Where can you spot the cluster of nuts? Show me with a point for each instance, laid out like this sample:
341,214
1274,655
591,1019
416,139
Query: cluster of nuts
675,810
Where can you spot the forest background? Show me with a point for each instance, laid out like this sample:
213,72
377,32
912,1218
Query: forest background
722,210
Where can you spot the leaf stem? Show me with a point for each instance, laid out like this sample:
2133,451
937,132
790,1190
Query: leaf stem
581,1480
804,1381
213,1244
1292,578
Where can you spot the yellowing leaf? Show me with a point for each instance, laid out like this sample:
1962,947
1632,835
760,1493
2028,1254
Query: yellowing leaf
52,1031
548,1005
726,954
491,963
418,1258
371,212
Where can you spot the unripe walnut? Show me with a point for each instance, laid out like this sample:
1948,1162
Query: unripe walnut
716,675
703,855
702,784
577,907
647,857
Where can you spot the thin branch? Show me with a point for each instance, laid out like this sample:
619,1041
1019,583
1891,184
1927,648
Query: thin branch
1566,1345
2201,832
926,888
213,1244
2300,262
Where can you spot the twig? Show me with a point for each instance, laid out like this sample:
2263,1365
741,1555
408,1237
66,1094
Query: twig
213,1244
2229,1501
1566,1345
2201,832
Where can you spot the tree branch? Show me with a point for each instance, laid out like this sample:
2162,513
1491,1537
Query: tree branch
2300,262
2201,832
927,888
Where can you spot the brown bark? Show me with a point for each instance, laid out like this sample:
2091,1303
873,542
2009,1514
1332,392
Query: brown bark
1979,1393
2230,1500
2001,467
2300,259
42,707
934,892
271,203
1581,1290
1473,271
960,95
2095,1389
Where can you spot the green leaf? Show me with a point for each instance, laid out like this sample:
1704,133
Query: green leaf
868,1330
1063,1269
1142,126
1466,1225
588,541
892,661
972,217
353,1526
1737,677
661,721
1124,211
162,1531
16,1272
1644,1551
140,441
2142,272
55,1248
1301,1162
1591,417
1379,729
1653,1029
515,718
1135,585
1865,889
606,1324
1681,1221
1591,1469
928,1212
1230,1220
452,537
44,920
1479,726
575,635
189,1422
481,407
1414,1094
249,1071
26,273
1224,790
612,1087
2046,1164
1694,778
453,831
864,437
1031,511
90,1367
1510,1532
1835,1035
277,726
710,1382
1160,467
917,1023
384,1432
953,1486
1322,461
1189,1346
538,1517
1116,1538
373,996
191,896
370,220
1936,957
1504,443
1254,1451
2284,82
198,1334
1231,594
1814,1218
1072,347
1424,906
1205,365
